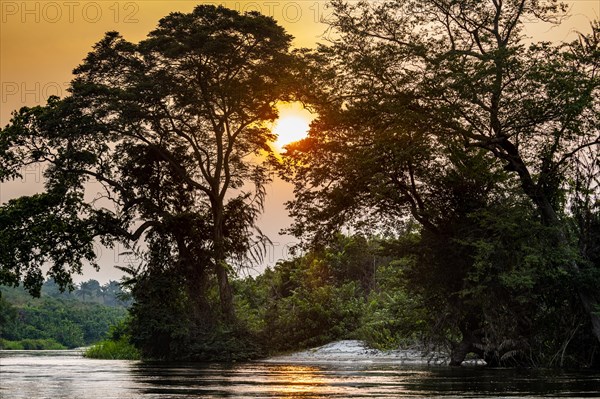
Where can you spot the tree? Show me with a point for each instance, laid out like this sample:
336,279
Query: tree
85,289
415,93
104,291
8,315
48,228
174,130
52,289
112,294
92,287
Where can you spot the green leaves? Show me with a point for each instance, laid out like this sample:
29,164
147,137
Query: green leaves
66,321
44,229
166,129
438,112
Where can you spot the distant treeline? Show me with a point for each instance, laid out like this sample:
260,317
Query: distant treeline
109,294
59,320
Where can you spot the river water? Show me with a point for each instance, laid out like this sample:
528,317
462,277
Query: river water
66,374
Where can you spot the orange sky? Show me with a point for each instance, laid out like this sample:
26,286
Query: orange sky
42,41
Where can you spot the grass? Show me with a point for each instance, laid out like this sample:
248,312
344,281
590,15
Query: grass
109,349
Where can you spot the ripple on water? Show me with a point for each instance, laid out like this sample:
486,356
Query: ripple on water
67,375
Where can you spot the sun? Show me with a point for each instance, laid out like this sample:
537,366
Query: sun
289,129
292,125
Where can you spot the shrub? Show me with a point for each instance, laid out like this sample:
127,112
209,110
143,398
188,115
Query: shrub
109,349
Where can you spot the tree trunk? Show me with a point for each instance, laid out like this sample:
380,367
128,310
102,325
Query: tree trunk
197,289
465,347
219,256
460,352
225,292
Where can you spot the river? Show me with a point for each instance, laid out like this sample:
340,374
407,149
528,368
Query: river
66,374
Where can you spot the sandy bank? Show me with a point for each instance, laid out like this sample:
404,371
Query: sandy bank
353,351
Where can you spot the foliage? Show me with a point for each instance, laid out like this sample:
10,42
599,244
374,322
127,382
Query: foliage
69,322
312,317
50,231
439,113
172,129
160,329
109,349
226,343
117,346
471,153
394,318
310,300
31,344
182,328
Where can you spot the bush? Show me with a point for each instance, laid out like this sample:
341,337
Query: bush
10,345
392,318
312,317
108,349
225,344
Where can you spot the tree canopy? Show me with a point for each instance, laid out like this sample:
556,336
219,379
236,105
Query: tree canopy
441,112
173,129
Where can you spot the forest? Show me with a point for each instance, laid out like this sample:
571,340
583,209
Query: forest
60,320
446,196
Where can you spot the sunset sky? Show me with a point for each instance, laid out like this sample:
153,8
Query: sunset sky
42,41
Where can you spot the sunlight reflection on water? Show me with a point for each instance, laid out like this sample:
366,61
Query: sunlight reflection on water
65,374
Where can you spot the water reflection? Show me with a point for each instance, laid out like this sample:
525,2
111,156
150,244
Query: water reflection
244,380
66,375
292,381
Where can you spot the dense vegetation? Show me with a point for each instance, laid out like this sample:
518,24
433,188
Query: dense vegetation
117,345
350,289
447,116
464,159
390,293
56,320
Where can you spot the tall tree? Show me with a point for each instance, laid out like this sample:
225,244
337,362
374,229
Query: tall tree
461,72
174,129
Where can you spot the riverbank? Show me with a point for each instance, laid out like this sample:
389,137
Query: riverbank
354,351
